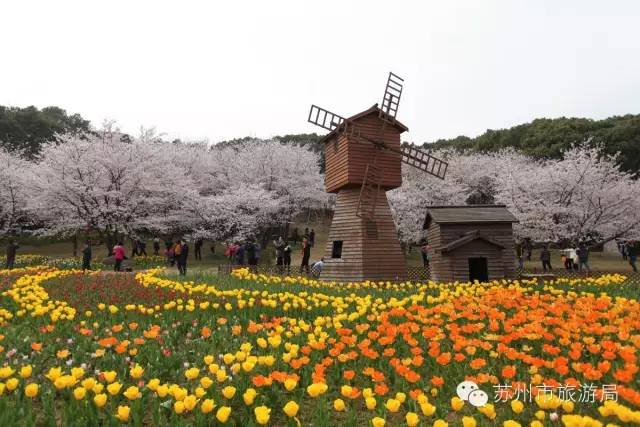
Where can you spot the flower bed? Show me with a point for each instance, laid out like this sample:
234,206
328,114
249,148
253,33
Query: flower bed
144,349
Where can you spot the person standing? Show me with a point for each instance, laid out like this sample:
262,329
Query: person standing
583,257
286,258
279,245
156,246
134,247
632,249
197,249
250,249
240,254
182,257
86,256
306,254
424,251
177,251
545,257
12,249
118,256
312,237
142,248
169,252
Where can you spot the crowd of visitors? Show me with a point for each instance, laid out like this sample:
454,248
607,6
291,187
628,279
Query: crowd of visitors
248,253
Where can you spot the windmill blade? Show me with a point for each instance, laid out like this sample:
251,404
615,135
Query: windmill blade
392,93
424,161
324,118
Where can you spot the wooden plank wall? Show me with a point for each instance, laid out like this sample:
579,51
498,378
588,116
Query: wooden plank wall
346,160
368,252
453,266
336,157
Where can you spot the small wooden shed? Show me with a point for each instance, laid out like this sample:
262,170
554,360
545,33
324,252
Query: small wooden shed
471,242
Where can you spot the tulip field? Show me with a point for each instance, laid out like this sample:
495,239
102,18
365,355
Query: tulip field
149,349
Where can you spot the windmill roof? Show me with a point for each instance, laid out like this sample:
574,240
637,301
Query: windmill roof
372,110
468,214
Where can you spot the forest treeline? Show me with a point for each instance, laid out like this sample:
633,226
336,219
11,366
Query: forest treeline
25,130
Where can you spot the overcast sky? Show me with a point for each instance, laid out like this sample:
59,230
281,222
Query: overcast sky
226,69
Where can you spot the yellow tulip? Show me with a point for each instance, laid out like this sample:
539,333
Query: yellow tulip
290,384
110,376
412,419
192,373
339,405
89,383
229,391
517,406
291,408
178,407
511,423
207,406
31,390
132,393
12,384
262,414
114,388
79,393
440,423
123,413
468,422
371,403
7,371
208,359
199,392
392,405
316,389
100,400
223,414
206,382
249,396
25,371
190,402
162,390
456,403
378,422
136,372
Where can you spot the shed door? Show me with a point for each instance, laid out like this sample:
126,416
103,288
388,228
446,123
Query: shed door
478,270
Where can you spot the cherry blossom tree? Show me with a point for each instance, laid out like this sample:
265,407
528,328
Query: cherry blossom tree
472,178
585,196
13,193
105,185
243,190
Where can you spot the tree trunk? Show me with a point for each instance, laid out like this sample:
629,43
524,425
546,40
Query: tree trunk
74,240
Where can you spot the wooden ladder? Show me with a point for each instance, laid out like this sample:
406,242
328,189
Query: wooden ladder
369,190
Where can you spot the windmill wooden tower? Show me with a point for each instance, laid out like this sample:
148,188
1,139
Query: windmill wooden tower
363,159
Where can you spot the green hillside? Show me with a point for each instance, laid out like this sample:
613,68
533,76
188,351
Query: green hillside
549,137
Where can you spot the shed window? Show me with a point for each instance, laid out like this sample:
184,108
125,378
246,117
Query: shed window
336,250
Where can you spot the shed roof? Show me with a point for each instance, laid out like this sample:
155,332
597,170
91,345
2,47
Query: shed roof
468,214
468,238
372,110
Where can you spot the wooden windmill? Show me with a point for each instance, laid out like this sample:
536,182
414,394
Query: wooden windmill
363,157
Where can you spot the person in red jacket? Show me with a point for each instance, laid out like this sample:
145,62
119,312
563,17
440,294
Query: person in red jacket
118,256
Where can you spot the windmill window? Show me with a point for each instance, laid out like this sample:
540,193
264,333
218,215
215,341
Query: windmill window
336,250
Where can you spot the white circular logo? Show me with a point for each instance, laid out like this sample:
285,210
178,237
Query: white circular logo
465,388
478,398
